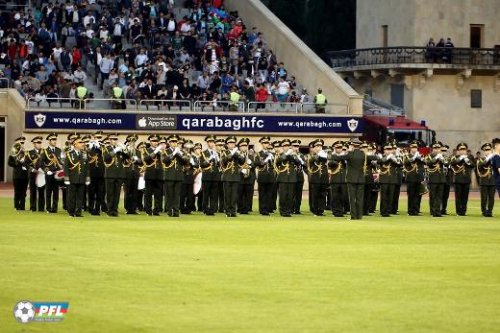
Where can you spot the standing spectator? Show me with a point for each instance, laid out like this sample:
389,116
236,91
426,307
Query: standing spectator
320,101
106,65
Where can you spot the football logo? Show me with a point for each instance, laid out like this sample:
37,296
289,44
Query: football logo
40,119
24,312
352,124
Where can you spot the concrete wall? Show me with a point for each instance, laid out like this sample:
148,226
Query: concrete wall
371,15
412,22
445,106
12,107
299,59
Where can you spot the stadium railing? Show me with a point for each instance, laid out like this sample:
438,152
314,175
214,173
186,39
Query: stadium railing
330,108
34,103
274,106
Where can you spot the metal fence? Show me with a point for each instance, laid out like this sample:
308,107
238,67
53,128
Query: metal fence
414,55
43,102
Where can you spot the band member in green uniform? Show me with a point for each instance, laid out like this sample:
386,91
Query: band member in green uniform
266,176
174,162
486,180
210,161
461,165
318,177
231,161
285,166
435,163
51,162
114,174
414,176
17,162
76,177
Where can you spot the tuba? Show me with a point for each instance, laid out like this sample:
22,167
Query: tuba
18,152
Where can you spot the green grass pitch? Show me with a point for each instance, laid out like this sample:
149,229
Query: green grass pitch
253,274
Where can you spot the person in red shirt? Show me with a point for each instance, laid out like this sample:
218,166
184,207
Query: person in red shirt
23,51
12,49
77,56
261,96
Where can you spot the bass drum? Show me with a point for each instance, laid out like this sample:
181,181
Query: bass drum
197,184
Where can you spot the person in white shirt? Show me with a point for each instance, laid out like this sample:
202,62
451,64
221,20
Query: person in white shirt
106,65
141,58
88,19
79,75
283,89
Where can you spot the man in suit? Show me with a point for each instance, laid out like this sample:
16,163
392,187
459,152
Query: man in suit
174,162
114,156
231,161
51,162
76,177
37,191
210,161
266,176
486,180
435,163
414,170
318,177
153,175
286,177
17,161
357,166
461,165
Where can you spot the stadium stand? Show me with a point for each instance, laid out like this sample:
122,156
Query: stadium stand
159,54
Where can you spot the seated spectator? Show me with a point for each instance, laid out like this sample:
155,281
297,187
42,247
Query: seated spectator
79,76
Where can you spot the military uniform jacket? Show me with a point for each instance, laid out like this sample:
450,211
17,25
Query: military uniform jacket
265,170
18,172
131,168
336,170
209,166
231,166
462,169
371,169
50,159
413,168
300,168
448,172
356,164
190,168
174,164
388,170
250,178
435,169
76,167
317,168
153,169
485,172
96,162
285,166
31,160
113,163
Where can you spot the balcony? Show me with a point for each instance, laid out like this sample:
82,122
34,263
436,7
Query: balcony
414,59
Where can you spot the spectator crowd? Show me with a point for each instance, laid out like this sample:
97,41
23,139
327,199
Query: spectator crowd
141,50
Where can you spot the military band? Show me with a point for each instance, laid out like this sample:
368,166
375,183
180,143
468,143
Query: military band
166,174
